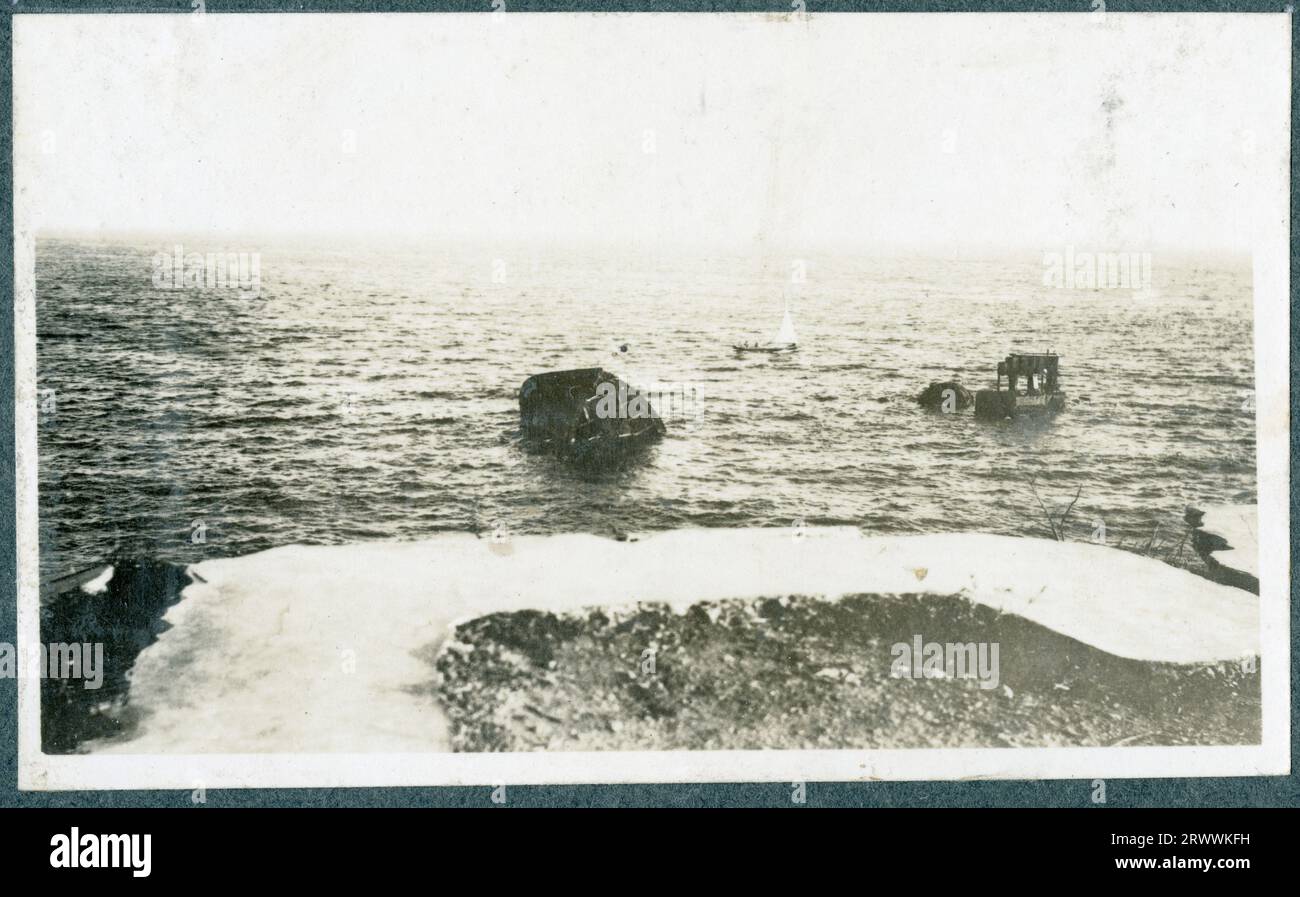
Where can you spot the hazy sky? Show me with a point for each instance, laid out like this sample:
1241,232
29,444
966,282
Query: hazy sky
751,132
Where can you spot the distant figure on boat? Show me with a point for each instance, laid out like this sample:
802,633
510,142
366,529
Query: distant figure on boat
785,340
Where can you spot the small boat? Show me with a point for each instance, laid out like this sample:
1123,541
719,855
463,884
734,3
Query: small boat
1042,393
784,341
586,415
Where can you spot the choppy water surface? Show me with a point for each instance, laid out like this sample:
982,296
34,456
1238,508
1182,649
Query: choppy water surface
370,394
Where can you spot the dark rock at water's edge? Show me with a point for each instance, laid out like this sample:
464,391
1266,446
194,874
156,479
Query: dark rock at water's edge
1206,544
934,396
803,673
587,415
125,617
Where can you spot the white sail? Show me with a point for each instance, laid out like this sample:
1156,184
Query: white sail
786,334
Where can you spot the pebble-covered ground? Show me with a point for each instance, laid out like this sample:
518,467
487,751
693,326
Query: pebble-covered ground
796,672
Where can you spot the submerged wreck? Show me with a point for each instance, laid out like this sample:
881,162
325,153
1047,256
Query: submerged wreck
586,415
945,395
1041,393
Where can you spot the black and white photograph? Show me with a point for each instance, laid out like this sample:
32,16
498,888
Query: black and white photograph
511,398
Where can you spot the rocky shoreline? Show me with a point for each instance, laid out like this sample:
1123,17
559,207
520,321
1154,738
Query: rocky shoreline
803,673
